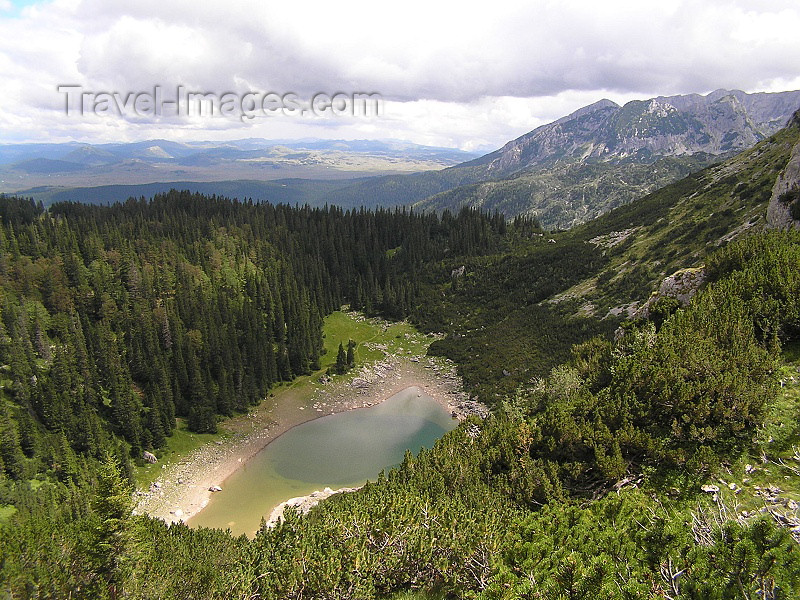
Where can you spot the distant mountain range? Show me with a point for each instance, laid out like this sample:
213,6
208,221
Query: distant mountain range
564,173
73,164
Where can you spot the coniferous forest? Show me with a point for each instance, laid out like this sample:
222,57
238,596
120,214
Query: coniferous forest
584,482
117,320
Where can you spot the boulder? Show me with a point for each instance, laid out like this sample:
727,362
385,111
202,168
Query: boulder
149,457
779,214
681,285
215,488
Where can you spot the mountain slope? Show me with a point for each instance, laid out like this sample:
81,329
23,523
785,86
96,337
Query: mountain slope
604,155
525,308
723,121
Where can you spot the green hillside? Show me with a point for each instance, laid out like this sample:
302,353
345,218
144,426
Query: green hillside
565,195
519,312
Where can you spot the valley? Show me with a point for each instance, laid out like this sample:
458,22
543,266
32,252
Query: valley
406,301
24,166
638,373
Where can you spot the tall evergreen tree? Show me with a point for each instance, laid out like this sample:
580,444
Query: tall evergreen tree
341,360
113,534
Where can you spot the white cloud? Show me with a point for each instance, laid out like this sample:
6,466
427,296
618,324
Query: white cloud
457,73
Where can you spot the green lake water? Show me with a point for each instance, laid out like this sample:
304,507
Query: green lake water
341,450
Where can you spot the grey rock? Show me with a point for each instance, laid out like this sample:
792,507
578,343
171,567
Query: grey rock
720,122
681,285
778,212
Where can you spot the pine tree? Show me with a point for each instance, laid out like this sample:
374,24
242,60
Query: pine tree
11,453
341,360
113,505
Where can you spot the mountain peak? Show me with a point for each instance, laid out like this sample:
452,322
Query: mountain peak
641,130
603,104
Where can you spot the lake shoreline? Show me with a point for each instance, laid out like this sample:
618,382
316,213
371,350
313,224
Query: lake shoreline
184,488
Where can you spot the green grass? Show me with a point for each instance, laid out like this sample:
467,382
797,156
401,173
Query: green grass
179,444
369,334
374,338
6,512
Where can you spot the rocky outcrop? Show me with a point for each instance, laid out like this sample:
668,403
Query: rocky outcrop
681,285
303,504
779,211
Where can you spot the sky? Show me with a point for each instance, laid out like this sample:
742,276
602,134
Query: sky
463,74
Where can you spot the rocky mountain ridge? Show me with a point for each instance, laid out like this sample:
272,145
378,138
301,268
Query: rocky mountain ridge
720,122
605,155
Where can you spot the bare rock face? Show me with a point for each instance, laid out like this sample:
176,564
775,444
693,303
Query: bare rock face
681,285
779,214
722,121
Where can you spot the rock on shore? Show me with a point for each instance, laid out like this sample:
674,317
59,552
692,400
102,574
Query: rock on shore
303,504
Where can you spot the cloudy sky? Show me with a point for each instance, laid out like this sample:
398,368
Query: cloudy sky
463,74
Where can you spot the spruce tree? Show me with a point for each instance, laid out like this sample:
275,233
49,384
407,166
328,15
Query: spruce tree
113,505
341,360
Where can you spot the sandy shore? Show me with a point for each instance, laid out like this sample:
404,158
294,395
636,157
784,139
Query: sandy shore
183,489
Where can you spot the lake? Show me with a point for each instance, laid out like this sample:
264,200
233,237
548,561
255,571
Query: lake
341,450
